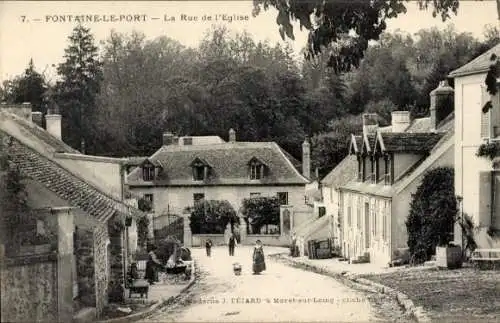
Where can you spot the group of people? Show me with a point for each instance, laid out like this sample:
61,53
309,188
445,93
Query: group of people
258,259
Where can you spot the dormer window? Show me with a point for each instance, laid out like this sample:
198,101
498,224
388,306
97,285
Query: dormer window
200,169
256,169
148,171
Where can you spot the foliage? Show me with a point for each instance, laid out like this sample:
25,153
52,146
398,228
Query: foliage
166,247
142,230
260,211
29,87
14,210
467,227
350,25
212,216
489,149
492,80
144,205
81,75
433,212
329,148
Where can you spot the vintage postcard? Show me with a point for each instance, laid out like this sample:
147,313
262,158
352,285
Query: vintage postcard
250,161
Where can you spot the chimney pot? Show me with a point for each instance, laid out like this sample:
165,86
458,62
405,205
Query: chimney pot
370,123
232,135
53,123
441,104
168,138
37,118
400,121
306,158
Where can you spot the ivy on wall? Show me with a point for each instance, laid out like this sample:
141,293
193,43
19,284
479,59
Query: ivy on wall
490,150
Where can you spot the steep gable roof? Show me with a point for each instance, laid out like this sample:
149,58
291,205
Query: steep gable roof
355,145
229,162
66,185
407,142
480,64
343,173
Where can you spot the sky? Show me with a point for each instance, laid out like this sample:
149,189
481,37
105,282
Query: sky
35,29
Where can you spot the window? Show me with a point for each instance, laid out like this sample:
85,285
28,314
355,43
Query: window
358,215
188,141
283,198
349,220
254,195
321,211
148,173
198,173
256,172
485,117
374,216
384,220
198,197
150,199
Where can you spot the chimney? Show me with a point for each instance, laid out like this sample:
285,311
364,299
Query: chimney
306,158
37,118
400,120
168,138
232,135
53,124
370,123
441,103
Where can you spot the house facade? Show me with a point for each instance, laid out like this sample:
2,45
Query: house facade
186,170
57,176
477,179
391,162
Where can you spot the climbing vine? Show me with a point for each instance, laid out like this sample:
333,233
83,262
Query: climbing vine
491,80
14,210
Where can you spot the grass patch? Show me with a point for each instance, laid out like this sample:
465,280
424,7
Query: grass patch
449,295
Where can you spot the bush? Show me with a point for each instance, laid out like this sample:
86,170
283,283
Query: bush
433,212
261,211
166,247
212,217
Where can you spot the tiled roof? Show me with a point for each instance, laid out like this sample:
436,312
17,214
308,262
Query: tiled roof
229,162
134,160
344,172
409,142
356,143
420,125
371,138
480,64
66,185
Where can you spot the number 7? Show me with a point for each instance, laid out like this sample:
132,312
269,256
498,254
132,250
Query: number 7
23,18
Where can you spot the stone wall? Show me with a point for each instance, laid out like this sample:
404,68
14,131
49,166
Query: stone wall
29,289
85,266
116,261
101,271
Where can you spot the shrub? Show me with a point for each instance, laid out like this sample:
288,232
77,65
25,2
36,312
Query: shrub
433,211
212,216
261,211
166,247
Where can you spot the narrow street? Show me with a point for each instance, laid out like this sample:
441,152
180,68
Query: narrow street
281,293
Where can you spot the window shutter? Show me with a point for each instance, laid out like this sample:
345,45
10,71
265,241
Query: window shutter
485,117
484,197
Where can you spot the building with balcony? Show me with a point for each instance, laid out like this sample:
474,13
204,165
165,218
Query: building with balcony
391,162
477,178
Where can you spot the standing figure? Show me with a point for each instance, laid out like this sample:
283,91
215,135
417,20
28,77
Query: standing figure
232,243
208,247
152,266
259,262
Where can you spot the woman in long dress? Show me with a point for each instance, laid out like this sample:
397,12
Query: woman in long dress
259,262
152,266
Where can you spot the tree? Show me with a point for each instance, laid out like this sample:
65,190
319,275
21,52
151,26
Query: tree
29,87
212,216
261,211
433,212
76,92
330,22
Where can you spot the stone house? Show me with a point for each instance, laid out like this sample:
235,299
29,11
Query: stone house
477,179
57,176
391,162
189,169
